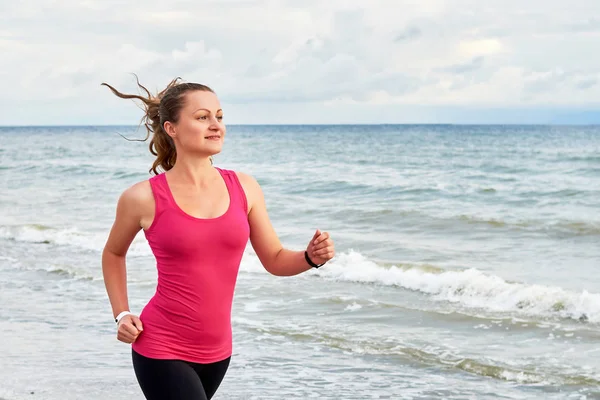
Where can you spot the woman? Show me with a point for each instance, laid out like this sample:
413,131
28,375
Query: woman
197,219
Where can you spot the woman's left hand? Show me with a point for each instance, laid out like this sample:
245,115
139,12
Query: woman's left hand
321,249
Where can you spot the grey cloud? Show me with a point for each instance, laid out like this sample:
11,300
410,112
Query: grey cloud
325,86
322,70
590,25
80,78
410,33
396,84
464,68
343,20
327,49
586,83
543,84
350,30
255,71
551,80
462,75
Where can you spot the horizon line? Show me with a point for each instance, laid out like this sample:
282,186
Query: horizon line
329,124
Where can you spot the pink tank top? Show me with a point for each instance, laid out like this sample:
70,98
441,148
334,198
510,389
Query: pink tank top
189,316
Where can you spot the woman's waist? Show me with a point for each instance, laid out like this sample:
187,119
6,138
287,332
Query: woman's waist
194,284
202,338
173,313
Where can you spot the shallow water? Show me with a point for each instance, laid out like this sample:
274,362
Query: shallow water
466,268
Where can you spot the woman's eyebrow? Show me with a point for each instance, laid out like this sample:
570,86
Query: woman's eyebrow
205,109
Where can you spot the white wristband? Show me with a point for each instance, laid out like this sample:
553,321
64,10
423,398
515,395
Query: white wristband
121,315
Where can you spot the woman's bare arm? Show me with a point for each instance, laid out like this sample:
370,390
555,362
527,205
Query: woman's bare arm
274,257
134,207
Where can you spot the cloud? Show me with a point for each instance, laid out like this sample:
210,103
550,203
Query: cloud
584,83
481,47
588,25
330,54
466,67
410,33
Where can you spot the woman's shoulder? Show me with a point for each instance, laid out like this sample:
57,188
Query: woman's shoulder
247,180
138,193
250,186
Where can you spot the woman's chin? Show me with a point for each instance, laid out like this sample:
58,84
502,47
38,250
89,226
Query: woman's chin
205,151
212,152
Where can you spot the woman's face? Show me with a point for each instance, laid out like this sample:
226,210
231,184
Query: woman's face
200,129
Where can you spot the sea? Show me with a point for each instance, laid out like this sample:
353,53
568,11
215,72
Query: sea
467,262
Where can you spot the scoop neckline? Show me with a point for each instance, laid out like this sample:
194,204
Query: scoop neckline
180,210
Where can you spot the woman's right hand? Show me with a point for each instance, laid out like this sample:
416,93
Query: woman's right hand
129,328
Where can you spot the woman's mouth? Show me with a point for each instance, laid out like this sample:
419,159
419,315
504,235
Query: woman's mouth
213,137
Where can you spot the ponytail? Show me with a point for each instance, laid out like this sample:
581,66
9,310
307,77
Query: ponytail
158,109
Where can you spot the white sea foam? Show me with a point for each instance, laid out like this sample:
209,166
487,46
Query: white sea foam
469,288
353,307
70,236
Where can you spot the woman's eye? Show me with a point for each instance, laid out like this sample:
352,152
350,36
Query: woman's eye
205,117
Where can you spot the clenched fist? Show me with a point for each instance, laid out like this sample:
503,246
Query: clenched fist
321,248
129,328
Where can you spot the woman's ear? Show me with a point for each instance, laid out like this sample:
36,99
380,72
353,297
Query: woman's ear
169,128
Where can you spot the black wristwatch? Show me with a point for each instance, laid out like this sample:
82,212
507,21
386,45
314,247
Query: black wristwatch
309,261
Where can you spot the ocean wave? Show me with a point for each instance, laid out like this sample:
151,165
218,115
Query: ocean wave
70,236
587,158
70,272
577,228
43,234
64,272
428,354
127,174
427,218
470,288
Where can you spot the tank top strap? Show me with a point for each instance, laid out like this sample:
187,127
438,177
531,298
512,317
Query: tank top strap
238,196
160,190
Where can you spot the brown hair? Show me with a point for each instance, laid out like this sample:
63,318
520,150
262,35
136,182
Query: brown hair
164,106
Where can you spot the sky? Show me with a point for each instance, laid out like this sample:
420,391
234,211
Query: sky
305,61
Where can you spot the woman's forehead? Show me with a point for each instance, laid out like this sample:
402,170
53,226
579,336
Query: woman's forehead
202,100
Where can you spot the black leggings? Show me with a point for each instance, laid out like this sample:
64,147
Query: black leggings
176,379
